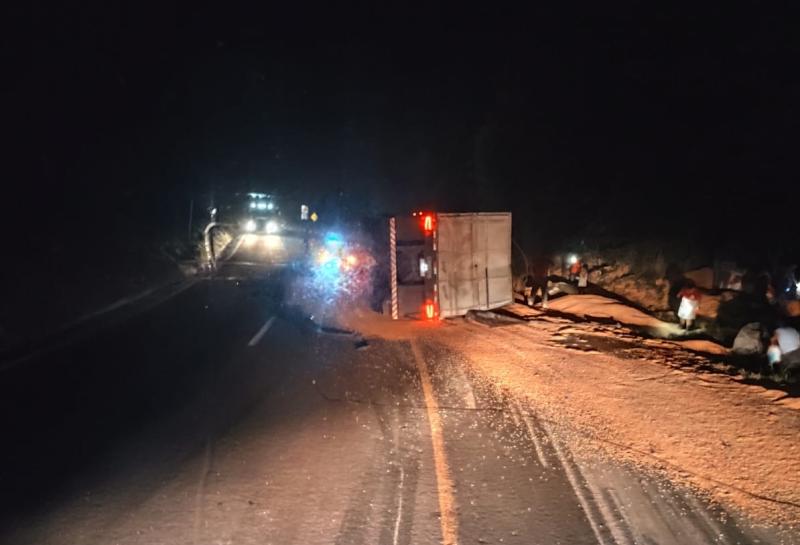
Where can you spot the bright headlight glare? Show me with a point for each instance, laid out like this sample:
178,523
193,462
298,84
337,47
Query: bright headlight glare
271,227
250,226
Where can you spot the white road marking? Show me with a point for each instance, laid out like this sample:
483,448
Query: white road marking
261,332
399,507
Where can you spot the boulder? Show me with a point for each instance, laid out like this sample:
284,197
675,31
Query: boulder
792,308
702,278
646,290
748,340
709,303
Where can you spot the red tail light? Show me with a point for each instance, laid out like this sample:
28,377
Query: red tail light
427,222
429,310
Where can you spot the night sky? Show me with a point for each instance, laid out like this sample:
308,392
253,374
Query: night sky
636,124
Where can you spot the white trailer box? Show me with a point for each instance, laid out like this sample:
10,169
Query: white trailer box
450,263
474,262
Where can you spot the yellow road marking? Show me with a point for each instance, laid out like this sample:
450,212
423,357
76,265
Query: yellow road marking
444,485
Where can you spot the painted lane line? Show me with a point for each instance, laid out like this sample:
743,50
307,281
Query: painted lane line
399,507
444,485
261,332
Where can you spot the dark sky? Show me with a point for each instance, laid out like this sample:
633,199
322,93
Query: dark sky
641,122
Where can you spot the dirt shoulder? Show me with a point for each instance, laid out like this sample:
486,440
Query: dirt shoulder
55,287
653,405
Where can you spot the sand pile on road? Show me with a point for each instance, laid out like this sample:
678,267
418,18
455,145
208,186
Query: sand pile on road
371,324
709,347
735,442
597,306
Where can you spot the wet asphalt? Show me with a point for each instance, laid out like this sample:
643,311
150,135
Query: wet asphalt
226,415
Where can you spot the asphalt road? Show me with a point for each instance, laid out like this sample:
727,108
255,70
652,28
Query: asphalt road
225,415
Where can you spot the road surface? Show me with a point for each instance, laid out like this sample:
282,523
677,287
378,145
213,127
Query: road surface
225,415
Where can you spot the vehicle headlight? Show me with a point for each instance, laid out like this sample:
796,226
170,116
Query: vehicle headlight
324,256
272,227
250,226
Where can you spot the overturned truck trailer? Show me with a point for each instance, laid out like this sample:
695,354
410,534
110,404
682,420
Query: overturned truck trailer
446,264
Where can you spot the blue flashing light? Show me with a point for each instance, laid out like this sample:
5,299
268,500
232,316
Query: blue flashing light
334,240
